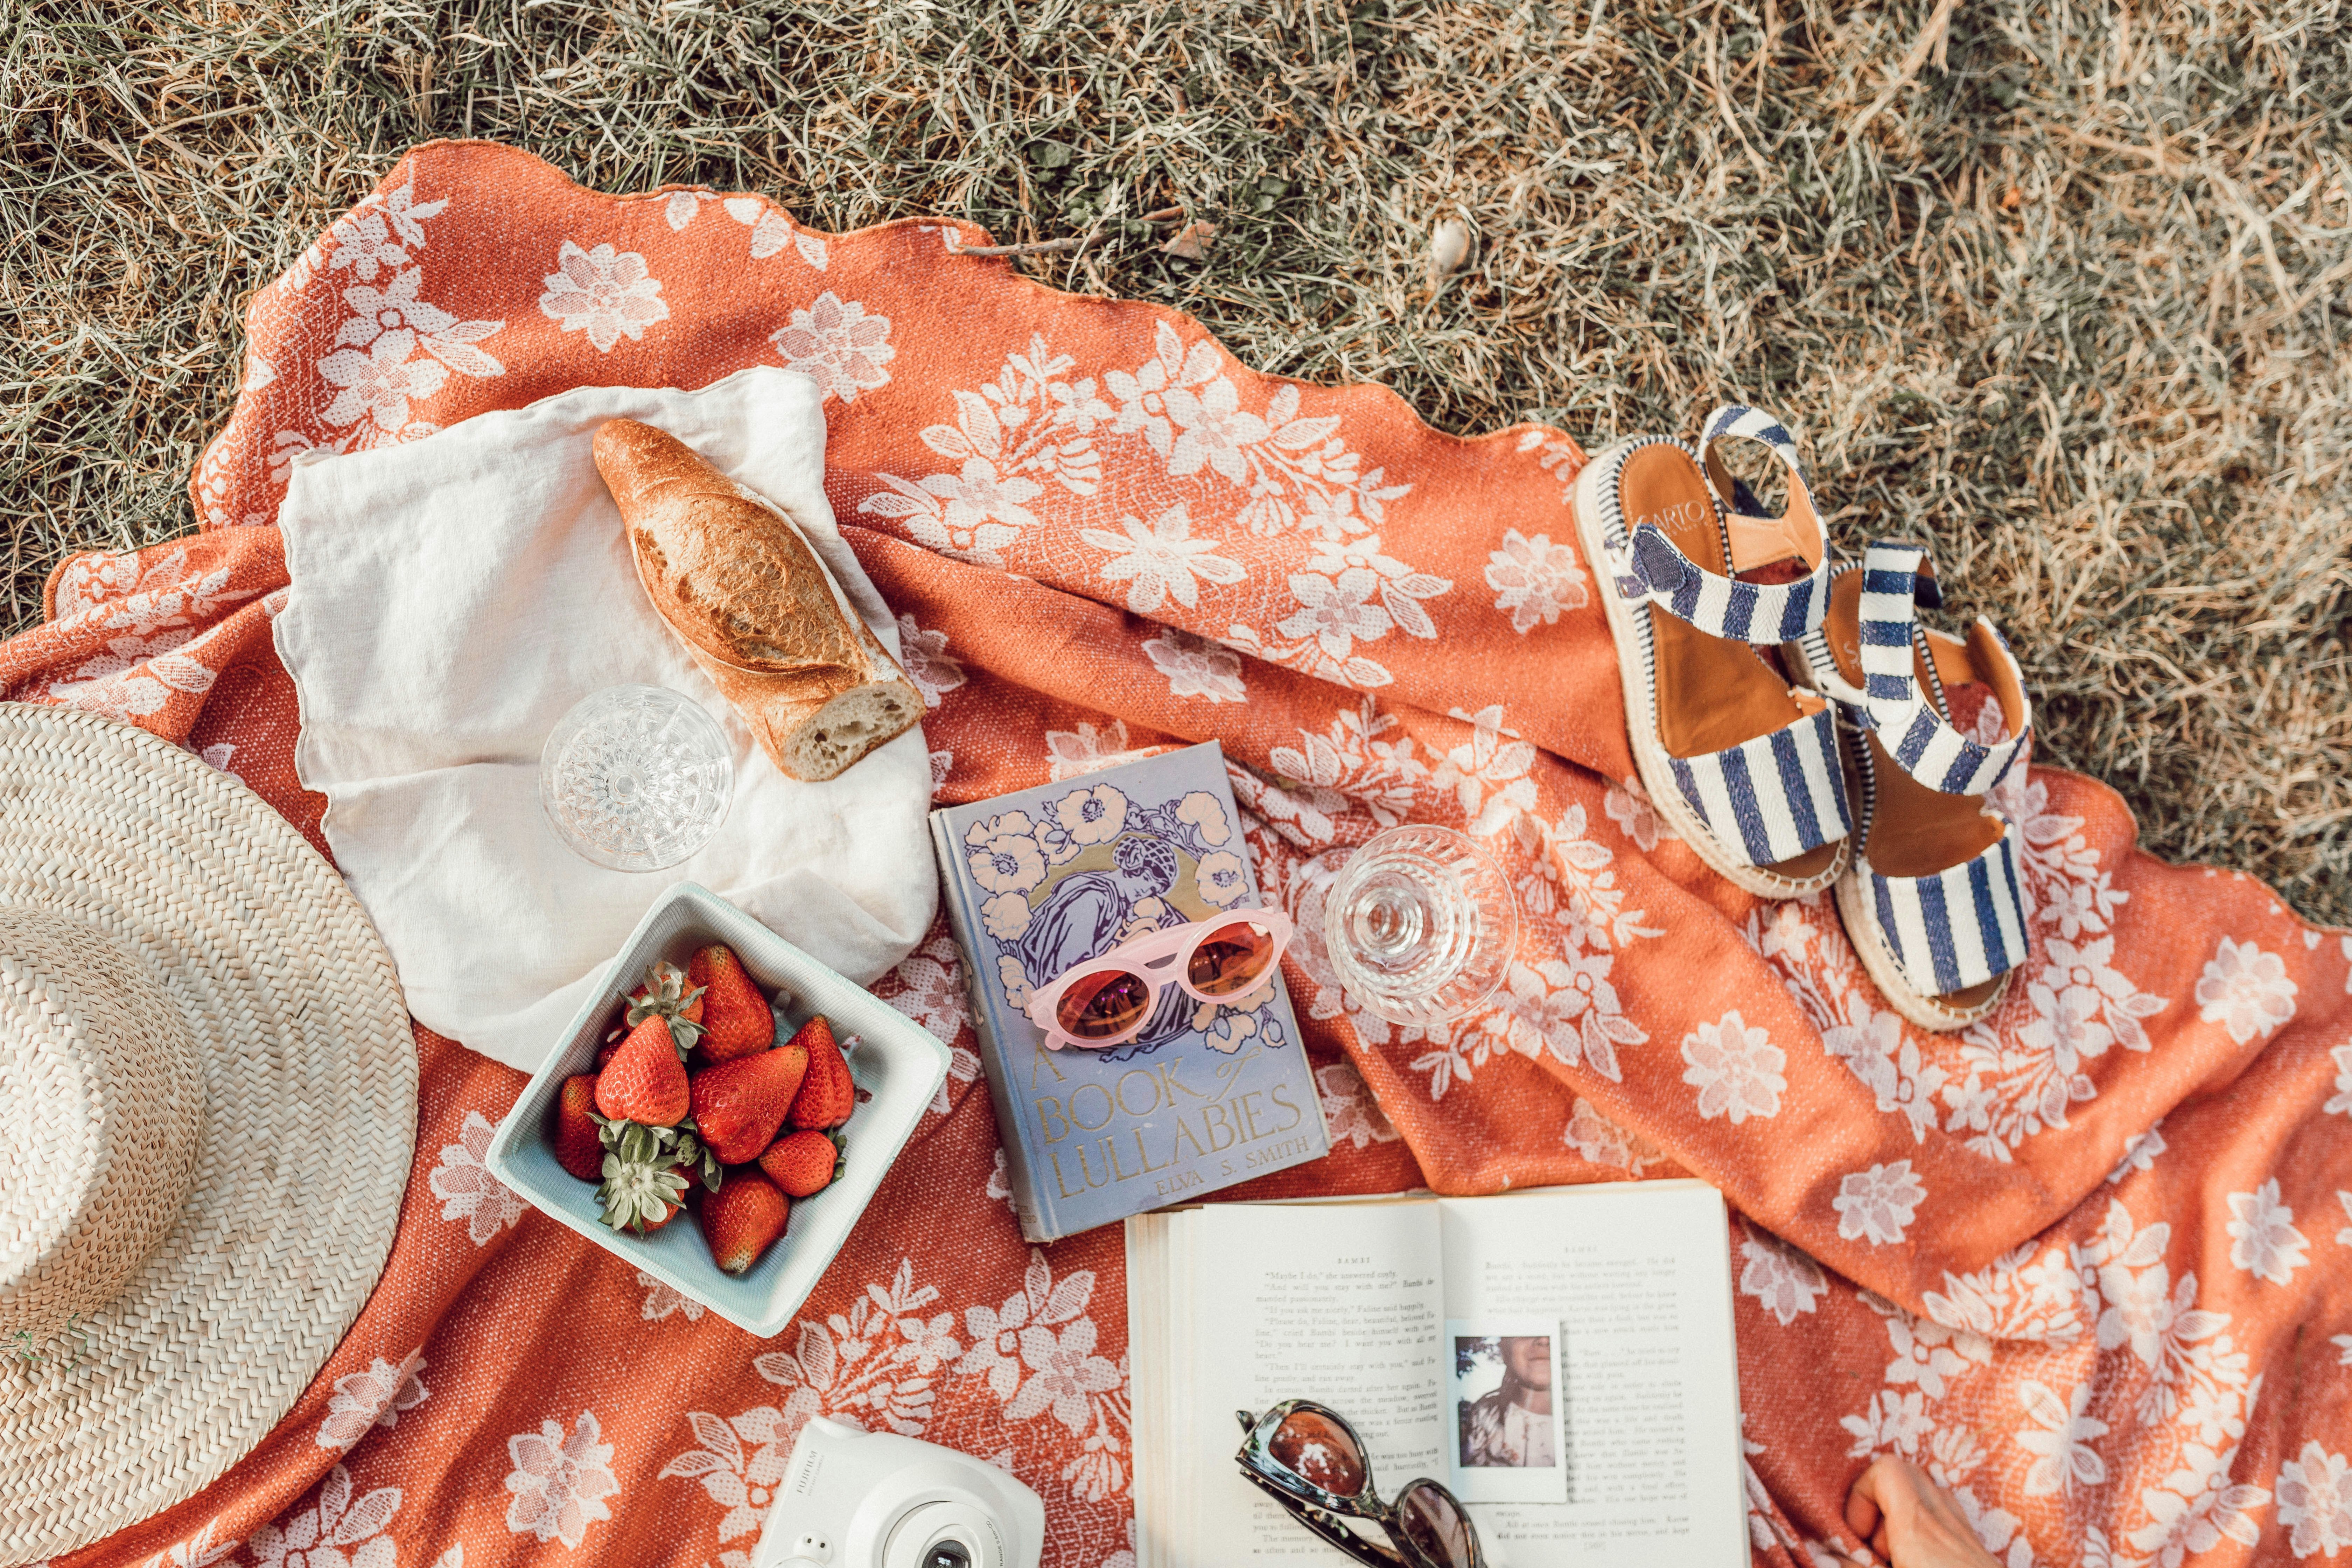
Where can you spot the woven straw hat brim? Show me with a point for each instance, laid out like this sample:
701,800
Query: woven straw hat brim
310,1074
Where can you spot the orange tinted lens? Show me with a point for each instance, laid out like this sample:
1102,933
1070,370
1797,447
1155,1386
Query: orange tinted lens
1319,1451
1099,1005
1232,958
1428,1516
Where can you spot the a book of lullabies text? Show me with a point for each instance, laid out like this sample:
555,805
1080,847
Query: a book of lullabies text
1207,1094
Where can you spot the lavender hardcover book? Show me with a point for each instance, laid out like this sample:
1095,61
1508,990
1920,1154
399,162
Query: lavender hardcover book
1207,1094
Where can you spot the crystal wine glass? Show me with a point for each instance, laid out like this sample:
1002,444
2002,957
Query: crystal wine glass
1420,923
635,778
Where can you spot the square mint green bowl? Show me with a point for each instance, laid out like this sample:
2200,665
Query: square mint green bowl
897,1063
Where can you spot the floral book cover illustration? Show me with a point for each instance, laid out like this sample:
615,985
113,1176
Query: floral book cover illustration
1207,1094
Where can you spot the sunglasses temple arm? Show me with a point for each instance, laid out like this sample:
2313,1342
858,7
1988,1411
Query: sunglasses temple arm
1329,1526
1331,1529
1323,1524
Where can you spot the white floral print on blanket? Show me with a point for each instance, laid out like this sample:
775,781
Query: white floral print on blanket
2315,1501
1601,1140
199,1550
928,988
1195,667
1628,804
2180,1399
337,1531
1086,749
2198,1507
2060,1440
1785,1281
467,1191
560,1480
2245,989
156,613
881,1365
839,344
366,1400
1160,560
607,293
1349,1111
925,658
1736,1070
662,1299
1878,1205
739,1464
2263,1238
382,384
1535,580
1038,429
395,349
771,231
397,307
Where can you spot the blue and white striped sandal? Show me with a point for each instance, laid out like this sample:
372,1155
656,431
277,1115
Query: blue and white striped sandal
1932,902
1742,765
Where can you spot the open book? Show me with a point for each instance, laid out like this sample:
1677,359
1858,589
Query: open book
1564,1353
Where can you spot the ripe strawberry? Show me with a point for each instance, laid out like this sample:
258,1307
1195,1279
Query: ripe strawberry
640,1196
645,1082
645,996
735,1017
649,1172
805,1162
739,1105
579,1140
827,1094
742,1219
665,996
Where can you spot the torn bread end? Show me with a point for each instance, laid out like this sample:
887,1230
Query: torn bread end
851,725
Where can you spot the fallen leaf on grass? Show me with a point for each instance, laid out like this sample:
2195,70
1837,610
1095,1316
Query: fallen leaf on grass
1191,242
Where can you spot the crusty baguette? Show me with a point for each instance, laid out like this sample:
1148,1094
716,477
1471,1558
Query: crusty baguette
731,575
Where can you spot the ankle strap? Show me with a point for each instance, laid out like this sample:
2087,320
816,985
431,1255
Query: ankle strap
1896,579
1720,605
1800,526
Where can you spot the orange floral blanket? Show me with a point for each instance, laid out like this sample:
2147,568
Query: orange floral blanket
2089,1262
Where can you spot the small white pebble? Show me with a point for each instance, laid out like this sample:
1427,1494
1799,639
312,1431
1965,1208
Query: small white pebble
1449,247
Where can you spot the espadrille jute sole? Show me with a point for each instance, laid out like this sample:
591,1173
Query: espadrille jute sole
1861,919
1649,756
1862,931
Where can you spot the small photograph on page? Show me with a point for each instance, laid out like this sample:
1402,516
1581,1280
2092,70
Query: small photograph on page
1509,1442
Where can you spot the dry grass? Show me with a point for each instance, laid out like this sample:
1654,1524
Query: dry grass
2073,301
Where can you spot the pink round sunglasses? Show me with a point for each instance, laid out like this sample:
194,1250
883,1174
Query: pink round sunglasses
1105,1001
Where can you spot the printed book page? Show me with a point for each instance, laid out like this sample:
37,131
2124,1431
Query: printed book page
1334,1302
1423,1320
1637,1276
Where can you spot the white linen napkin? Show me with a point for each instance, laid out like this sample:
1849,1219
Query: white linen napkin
452,598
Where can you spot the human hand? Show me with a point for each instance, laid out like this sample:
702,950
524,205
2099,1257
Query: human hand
1910,1521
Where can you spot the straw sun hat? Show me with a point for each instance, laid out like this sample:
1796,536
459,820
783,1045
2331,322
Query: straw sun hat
207,1107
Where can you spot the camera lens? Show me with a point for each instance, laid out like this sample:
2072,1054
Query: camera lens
948,1554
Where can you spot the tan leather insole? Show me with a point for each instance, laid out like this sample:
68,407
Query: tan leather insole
1712,694
1915,831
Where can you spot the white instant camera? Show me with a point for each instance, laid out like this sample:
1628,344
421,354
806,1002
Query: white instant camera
867,1499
